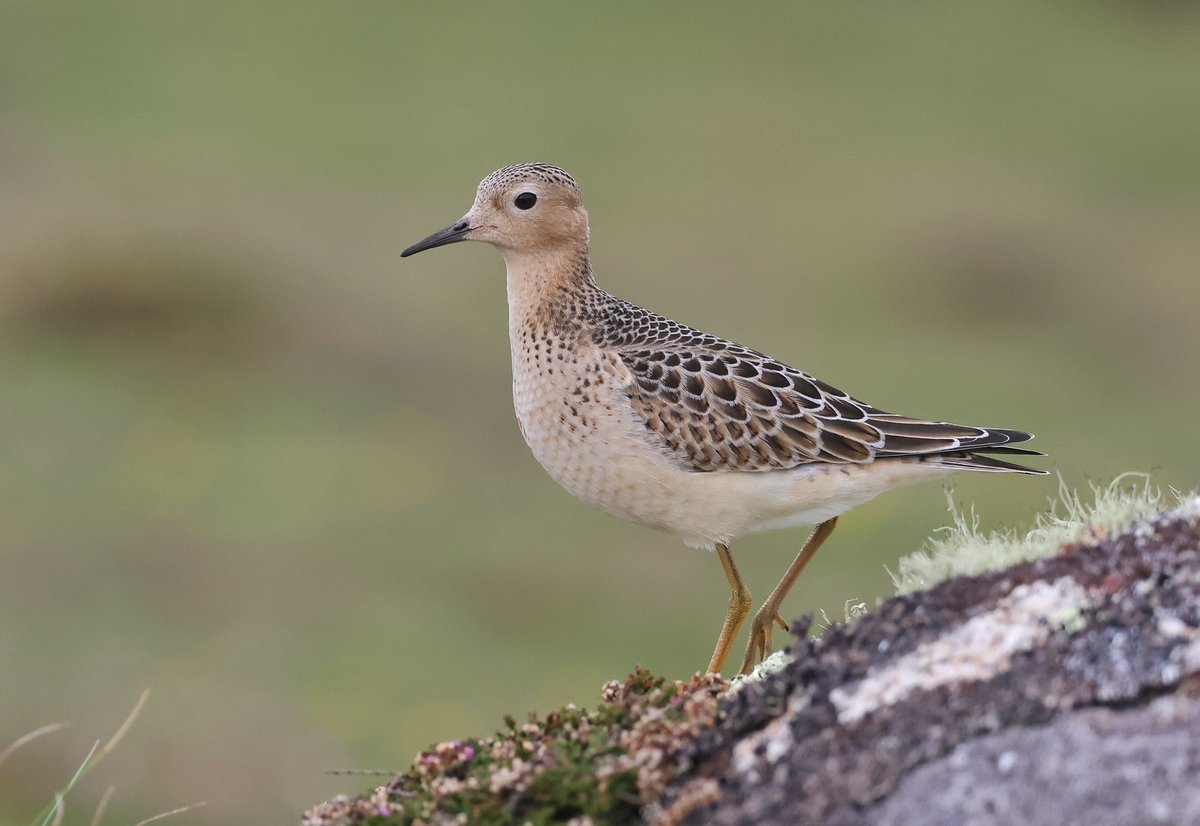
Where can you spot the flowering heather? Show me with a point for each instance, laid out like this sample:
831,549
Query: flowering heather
573,766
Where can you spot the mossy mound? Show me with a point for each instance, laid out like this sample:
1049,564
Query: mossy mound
571,766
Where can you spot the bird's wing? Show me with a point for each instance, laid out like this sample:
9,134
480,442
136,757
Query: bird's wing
717,405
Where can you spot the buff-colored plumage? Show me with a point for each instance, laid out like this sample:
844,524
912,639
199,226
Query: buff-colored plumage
667,426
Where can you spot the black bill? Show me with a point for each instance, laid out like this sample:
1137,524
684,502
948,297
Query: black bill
450,235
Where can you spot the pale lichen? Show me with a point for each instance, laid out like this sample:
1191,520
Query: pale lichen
963,549
977,650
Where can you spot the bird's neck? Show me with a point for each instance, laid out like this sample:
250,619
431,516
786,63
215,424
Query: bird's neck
548,287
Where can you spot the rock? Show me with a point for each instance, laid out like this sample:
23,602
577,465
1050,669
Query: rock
1062,690
1057,691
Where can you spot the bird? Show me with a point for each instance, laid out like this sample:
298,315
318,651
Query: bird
664,425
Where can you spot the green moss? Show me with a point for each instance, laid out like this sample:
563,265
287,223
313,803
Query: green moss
573,765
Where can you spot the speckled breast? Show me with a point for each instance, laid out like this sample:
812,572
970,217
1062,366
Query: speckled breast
576,421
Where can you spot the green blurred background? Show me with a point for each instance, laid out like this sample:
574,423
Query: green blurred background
252,460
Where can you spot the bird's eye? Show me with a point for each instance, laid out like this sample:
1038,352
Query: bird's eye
525,200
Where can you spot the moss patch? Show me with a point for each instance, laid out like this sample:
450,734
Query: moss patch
572,766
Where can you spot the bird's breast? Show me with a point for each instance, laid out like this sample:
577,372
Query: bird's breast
577,421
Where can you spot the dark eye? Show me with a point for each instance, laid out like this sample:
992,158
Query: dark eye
525,200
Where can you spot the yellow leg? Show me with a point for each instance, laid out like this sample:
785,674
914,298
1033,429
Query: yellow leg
759,645
739,606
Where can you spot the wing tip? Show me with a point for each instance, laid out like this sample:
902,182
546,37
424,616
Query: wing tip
974,461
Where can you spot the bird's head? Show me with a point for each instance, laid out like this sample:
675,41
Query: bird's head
529,208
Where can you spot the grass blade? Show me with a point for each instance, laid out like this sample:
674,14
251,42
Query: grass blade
180,810
33,735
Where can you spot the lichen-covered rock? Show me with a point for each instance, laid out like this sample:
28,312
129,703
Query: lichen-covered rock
1060,690
903,710
1096,765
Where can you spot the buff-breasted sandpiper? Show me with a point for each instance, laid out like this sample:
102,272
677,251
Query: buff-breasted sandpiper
667,426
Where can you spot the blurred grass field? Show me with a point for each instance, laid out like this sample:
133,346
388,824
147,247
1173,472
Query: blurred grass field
252,460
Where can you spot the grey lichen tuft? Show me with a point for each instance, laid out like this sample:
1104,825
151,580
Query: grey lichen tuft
963,549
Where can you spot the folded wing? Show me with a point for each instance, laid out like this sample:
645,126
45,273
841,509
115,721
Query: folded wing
719,406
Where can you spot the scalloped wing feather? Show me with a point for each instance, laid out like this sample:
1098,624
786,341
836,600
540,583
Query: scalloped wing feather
719,406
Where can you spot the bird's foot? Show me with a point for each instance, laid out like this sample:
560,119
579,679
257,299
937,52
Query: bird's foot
758,648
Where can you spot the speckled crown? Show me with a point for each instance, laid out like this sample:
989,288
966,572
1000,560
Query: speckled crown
544,172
